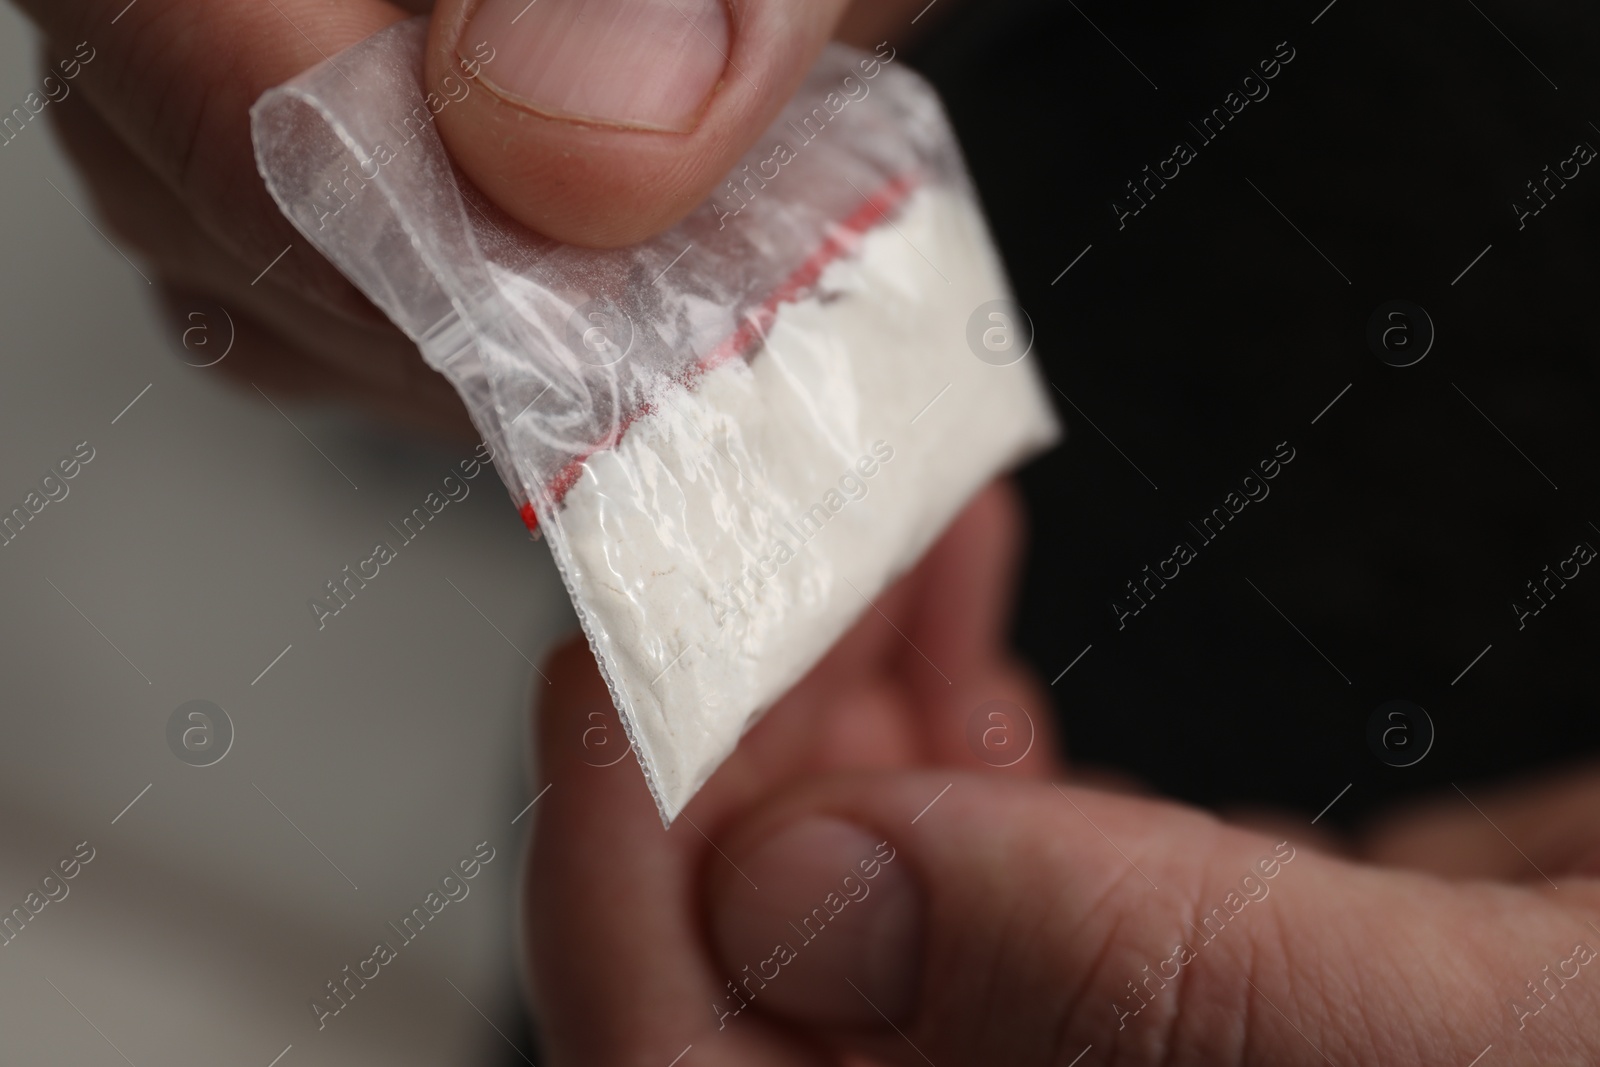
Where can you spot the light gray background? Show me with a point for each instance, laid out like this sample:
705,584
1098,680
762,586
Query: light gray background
395,739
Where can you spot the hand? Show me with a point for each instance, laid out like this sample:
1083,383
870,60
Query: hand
596,130
1019,920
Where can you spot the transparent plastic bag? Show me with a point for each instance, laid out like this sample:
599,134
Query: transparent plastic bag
734,435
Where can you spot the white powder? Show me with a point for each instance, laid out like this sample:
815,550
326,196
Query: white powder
735,532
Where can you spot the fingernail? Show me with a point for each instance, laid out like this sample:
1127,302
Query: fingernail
645,63
823,926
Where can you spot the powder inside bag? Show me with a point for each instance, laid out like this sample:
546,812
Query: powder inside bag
740,526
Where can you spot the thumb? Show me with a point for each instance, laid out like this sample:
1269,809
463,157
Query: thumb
1015,922
608,120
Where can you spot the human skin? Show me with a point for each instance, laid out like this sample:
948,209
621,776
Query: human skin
158,126
1408,945
1021,908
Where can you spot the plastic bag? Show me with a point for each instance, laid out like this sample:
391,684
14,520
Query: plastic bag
733,436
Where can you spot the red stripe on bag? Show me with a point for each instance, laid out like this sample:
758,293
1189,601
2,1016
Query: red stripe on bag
840,242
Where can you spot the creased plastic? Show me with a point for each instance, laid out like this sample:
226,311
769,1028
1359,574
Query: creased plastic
734,435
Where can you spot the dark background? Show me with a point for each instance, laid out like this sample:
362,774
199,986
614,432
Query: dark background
1208,330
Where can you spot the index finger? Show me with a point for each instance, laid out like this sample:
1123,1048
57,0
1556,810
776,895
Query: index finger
176,79
619,967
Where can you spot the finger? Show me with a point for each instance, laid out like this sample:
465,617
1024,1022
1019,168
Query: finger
1523,832
633,903
254,356
278,341
1015,923
176,80
149,217
619,972
921,678
1279,823
605,121
978,706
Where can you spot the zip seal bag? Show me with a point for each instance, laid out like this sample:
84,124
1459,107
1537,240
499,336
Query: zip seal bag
734,435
